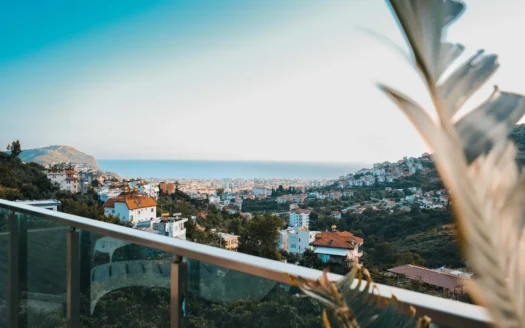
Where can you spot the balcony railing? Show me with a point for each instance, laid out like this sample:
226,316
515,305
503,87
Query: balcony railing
64,270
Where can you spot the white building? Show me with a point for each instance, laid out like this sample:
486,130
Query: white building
170,226
149,189
261,192
295,240
299,218
214,199
131,207
337,247
105,193
66,180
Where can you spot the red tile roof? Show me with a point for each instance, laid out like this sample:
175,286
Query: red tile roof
133,202
440,279
71,172
336,239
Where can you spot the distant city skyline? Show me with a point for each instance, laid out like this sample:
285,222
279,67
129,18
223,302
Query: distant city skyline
269,80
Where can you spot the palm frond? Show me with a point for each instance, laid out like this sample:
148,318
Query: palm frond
354,302
472,154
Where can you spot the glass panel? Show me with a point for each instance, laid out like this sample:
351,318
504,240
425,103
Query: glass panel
219,297
42,268
123,284
4,257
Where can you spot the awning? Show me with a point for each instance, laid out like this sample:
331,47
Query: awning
331,251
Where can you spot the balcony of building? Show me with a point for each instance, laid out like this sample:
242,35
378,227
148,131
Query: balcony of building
61,270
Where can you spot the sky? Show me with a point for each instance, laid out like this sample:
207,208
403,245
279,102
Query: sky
279,80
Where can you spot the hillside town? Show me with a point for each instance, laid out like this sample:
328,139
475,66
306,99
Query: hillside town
392,218
379,187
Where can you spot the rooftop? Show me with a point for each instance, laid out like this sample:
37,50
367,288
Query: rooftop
431,277
336,239
133,202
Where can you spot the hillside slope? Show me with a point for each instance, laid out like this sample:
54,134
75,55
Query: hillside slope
52,154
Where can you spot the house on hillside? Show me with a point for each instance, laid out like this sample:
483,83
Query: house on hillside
131,207
299,218
167,188
337,247
434,278
106,193
296,240
66,179
230,241
170,226
336,214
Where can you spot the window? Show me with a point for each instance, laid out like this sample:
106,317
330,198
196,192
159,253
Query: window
113,211
152,209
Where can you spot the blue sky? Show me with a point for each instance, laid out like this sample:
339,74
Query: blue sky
229,79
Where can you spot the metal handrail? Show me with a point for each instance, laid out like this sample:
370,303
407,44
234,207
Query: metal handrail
442,311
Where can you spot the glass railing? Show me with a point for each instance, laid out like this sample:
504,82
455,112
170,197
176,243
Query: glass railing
61,270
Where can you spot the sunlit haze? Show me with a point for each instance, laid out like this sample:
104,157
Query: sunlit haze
226,80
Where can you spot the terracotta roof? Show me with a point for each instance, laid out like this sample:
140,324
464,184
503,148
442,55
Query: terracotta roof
133,202
336,239
70,172
431,277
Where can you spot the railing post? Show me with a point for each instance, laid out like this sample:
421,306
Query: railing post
14,271
73,279
179,289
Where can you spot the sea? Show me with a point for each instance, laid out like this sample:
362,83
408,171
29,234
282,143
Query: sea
201,169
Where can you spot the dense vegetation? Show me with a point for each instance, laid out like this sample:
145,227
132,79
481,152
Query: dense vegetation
28,181
23,181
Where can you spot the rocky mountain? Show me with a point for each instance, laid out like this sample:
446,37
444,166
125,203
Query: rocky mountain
53,154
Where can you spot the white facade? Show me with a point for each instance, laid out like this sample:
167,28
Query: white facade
261,192
171,227
296,241
149,190
105,193
66,180
299,218
130,210
214,199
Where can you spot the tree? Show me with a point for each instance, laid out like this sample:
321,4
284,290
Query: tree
220,191
95,183
311,260
260,237
15,148
409,258
235,226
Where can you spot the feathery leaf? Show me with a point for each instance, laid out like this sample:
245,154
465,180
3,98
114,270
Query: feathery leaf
473,156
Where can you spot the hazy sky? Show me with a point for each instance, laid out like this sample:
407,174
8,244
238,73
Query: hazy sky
228,79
